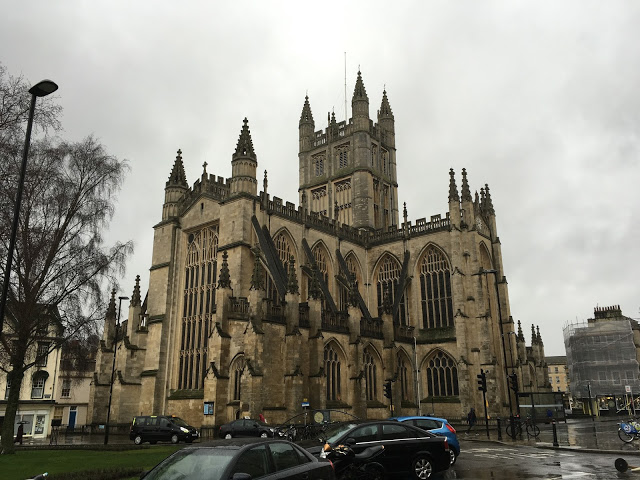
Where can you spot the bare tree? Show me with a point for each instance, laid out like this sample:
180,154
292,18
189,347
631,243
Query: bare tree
60,260
14,109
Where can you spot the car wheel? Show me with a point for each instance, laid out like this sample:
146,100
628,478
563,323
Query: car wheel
263,435
174,439
453,455
137,440
373,471
422,467
228,436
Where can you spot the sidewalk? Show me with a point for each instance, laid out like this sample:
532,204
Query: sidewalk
586,435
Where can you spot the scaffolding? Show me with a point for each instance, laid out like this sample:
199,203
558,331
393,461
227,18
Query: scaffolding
602,362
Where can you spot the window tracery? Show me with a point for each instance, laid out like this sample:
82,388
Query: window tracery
442,375
332,371
435,290
370,375
199,304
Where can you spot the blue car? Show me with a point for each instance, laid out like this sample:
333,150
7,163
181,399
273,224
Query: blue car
439,426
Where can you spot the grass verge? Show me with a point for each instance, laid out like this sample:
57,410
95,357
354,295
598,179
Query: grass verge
62,463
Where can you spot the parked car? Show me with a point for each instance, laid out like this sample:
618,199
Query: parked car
439,426
161,428
246,427
407,450
242,459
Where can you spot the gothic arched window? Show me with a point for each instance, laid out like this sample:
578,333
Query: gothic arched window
442,375
199,304
370,377
332,369
388,277
435,290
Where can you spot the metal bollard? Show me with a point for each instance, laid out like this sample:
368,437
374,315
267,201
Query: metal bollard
499,429
555,434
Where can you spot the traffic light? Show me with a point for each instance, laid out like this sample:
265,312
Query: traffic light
482,381
513,382
387,390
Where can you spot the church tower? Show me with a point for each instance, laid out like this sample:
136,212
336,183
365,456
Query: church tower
244,164
348,171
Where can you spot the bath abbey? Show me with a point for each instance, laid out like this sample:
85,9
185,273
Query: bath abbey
258,306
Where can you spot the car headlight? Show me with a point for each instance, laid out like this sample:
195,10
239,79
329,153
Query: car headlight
184,430
272,430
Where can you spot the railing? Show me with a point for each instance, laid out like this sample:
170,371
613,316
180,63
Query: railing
371,328
274,313
239,307
303,315
335,322
403,333
347,232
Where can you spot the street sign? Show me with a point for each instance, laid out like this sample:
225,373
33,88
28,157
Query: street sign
305,404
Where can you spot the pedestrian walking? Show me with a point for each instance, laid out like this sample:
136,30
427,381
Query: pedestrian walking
471,419
19,434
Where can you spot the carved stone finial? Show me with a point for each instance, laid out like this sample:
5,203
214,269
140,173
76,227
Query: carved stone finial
314,287
111,308
225,279
466,193
538,337
135,297
520,334
265,182
453,189
292,286
257,277
353,291
387,303
488,202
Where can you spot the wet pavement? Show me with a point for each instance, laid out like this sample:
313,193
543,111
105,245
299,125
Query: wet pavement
581,434
586,449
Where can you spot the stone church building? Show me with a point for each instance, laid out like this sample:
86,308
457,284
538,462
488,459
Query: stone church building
258,306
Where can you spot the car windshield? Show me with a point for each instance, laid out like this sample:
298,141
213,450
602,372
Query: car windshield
179,422
194,464
332,434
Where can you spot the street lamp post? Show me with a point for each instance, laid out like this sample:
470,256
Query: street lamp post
513,370
113,369
417,374
41,89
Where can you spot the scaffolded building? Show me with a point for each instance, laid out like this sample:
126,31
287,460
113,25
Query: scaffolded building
602,357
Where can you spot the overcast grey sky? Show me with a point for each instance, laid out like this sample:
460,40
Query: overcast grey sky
540,100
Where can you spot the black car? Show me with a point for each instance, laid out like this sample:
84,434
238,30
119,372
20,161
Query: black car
242,459
246,427
407,450
161,428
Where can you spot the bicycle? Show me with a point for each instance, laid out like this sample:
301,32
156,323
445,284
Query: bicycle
515,428
628,431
